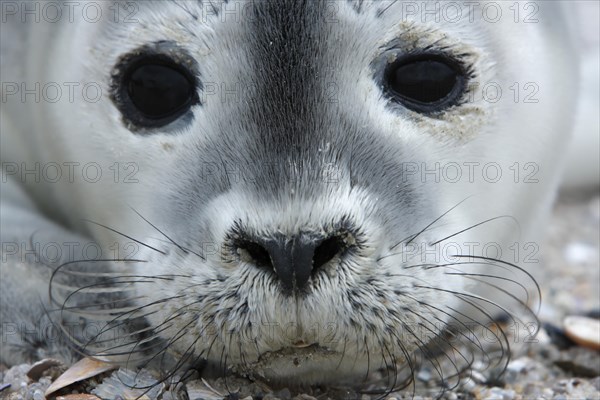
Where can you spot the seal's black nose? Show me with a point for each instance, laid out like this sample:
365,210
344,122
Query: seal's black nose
293,258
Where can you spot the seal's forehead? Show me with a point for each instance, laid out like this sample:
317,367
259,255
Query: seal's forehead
198,16
423,11
320,26
200,23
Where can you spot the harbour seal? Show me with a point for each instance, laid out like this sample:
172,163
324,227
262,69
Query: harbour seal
299,191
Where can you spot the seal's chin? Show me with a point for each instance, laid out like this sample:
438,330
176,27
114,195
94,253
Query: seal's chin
305,365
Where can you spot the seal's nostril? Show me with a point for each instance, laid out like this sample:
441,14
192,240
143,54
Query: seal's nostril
293,259
258,254
328,249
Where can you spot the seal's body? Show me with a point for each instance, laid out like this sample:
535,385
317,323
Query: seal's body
284,188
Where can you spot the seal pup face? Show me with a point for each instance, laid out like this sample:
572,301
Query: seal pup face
282,223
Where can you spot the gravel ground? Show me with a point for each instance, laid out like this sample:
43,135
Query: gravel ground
552,368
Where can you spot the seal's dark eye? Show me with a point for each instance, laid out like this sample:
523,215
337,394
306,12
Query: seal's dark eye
425,83
153,90
159,91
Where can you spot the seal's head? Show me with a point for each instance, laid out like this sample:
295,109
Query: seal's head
300,165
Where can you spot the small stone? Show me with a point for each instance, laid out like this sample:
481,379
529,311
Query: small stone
560,387
198,389
583,331
284,394
478,377
468,384
271,396
45,366
424,375
547,393
517,365
500,394
580,253
532,390
129,384
305,397
170,396
17,375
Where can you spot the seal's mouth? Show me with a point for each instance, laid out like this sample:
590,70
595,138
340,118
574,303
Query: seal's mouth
304,362
297,354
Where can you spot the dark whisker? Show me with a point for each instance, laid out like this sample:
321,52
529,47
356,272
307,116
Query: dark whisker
58,269
475,226
532,279
409,361
474,276
431,224
475,341
156,332
525,307
182,332
187,354
502,341
225,170
384,10
468,295
343,354
472,263
395,372
188,12
183,249
77,309
110,324
368,360
439,346
126,236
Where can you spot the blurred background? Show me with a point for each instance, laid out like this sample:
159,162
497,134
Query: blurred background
571,253
586,143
